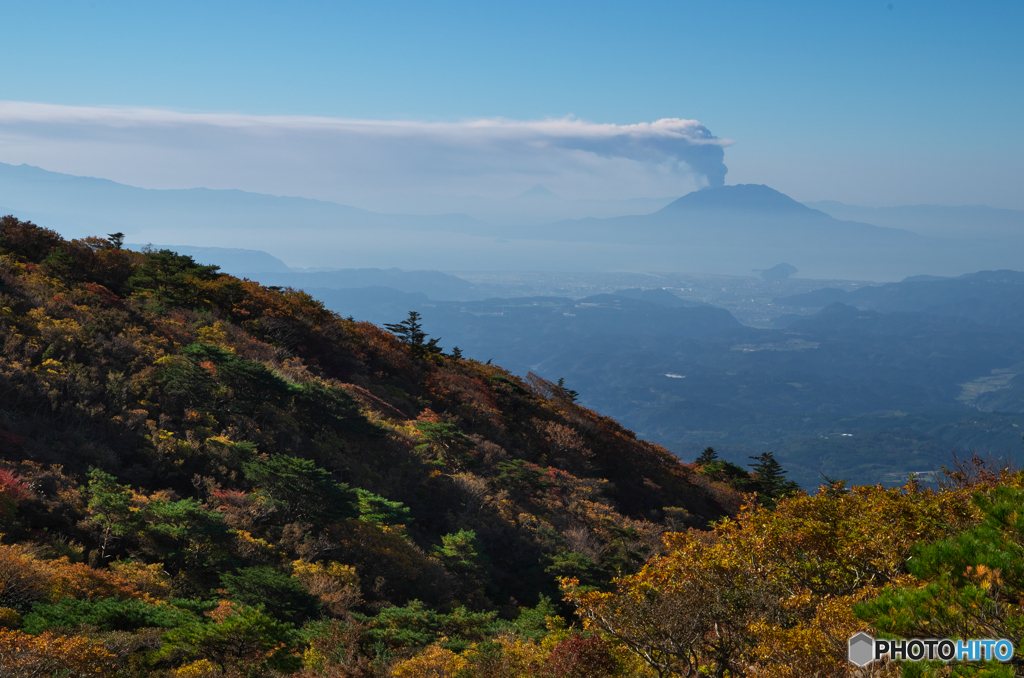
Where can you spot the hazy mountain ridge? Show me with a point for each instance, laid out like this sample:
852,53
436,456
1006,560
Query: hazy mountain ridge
948,221
269,270
990,297
240,262
78,205
736,229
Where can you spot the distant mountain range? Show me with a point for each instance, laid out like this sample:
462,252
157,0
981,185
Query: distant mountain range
239,262
729,230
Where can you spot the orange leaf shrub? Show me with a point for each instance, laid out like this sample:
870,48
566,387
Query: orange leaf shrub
25,656
25,578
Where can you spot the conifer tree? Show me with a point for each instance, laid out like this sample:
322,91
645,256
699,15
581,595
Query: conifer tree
567,393
708,456
770,481
410,331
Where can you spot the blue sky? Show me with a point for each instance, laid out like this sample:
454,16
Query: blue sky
866,102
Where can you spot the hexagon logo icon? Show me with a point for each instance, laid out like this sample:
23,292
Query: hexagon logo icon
862,649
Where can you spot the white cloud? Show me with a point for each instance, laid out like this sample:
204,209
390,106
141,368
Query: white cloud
339,159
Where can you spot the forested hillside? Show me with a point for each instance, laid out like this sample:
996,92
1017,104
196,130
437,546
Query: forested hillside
175,440
201,476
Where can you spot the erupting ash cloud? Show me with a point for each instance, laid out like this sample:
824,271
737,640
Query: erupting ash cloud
686,145
338,159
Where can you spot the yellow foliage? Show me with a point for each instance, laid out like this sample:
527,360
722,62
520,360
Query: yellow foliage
9,618
198,669
215,335
51,366
53,328
306,571
433,662
149,579
814,646
336,585
519,657
314,660
253,547
220,442
770,592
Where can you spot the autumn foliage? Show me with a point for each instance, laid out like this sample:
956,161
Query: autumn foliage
26,656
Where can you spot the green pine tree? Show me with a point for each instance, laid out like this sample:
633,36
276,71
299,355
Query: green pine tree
410,331
769,479
708,456
567,393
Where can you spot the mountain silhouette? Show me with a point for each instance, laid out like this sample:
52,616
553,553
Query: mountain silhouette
537,191
736,217
752,197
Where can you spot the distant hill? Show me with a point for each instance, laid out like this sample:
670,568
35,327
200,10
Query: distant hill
243,263
79,206
964,221
537,191
779,272
657,296
989,297
432,284
264,268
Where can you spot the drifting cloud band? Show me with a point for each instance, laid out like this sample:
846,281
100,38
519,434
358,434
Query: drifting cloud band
335,158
